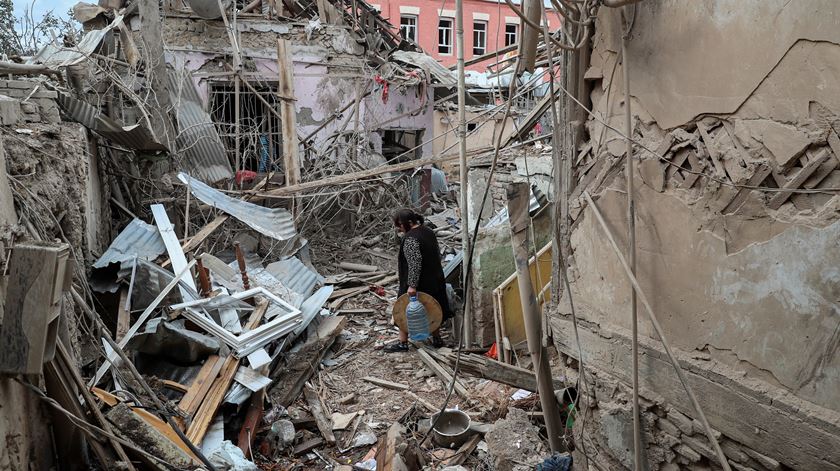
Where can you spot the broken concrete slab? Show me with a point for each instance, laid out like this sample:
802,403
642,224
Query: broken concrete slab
9,110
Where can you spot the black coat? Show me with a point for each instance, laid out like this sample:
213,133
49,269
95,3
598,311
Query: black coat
432,281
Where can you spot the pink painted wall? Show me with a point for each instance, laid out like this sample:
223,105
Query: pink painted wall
319,96
427,28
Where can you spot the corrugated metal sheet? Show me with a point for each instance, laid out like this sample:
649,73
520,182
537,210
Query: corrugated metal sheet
138,238
198,139
135,137
441,74
55,55
295,275
272,222
311,307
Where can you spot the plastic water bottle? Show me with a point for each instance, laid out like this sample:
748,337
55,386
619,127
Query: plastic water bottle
418,322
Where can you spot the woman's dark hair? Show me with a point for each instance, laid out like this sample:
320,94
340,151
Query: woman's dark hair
405,218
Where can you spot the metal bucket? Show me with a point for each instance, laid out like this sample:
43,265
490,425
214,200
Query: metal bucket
452,430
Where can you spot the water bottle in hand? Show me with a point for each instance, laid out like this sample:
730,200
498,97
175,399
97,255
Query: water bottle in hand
418,322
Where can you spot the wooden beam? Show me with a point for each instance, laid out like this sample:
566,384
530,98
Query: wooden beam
288,116
356,176
761,172
201,385
795,182
386,384
720,171
483,367
317,411
123,316
442,373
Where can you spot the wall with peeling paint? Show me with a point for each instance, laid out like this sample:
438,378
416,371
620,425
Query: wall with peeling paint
330,72
726,94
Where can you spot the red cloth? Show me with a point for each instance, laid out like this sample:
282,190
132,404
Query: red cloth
245,176
493,352
381,81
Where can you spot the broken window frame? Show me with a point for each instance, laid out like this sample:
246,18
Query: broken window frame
479,37
445,36
511,34
408,27
248,341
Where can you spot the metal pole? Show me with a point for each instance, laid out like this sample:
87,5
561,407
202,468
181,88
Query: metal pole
631,241
462,151
518,197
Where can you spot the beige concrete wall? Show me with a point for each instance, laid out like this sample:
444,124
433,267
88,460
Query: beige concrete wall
748,287
446,125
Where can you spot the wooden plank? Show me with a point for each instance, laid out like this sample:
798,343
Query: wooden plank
442,373
317,411
386,384
207,410
795,182
140,321
761,172
123,316
285,191
201,385
288,116
483,367
308,446
464,451
720,171
200,236
175,386
696,170
173,246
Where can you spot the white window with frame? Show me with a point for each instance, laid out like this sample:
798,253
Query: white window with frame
511,33
479,38
445,36
408,27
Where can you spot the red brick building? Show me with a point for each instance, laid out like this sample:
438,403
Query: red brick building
488,25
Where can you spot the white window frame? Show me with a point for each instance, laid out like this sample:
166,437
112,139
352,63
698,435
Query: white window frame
511,38
447,35
406,28
483,34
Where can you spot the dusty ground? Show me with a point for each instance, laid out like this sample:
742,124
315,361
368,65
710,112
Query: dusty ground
358,353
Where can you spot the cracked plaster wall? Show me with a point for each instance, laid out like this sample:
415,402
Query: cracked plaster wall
753,291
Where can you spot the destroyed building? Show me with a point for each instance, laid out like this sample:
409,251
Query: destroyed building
735,130
199,263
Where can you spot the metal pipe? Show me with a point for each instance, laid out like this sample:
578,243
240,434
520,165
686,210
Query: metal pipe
462,152
631,241
518,198
658,328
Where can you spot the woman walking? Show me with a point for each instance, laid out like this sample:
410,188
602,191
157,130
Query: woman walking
419,269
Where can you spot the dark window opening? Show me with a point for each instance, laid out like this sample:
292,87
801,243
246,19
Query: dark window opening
398,145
